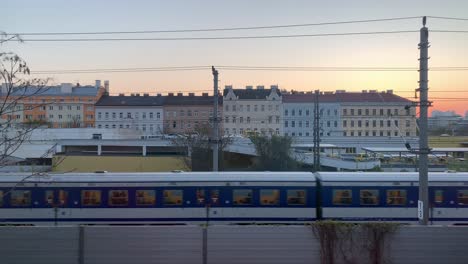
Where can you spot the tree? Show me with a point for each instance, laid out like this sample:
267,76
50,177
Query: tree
274,153
197,148
16,93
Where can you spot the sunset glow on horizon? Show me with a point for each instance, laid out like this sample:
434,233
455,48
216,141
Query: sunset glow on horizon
447,89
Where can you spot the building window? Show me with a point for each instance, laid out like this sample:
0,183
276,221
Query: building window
173,197
255,108
345,111
286,123
113,126
226,108
129,115
90,198
158,115
286,112
342,197
293,123
396,197
296,197
241,119
269,196
359,123
118,197
242,197
345,123
248,120
369,197
120,115
352,123
367,112
263,108
114,115
300,123
248,108
293,112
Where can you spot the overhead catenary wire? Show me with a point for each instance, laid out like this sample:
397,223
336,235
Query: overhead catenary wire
217,37
244,68
212,29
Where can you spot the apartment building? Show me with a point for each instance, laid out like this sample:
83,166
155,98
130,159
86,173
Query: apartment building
252,110
299,110
185,113
376,114
143,113
61,106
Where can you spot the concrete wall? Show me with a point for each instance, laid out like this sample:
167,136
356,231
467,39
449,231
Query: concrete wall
117,163
224,244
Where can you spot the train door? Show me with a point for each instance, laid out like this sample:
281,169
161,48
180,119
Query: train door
209,200
57,200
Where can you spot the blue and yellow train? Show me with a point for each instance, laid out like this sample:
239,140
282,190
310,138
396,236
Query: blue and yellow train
227,197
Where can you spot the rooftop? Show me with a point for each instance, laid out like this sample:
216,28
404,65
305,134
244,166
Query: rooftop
348,97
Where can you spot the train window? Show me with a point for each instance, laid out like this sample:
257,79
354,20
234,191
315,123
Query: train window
396,197
296,197
118,197
438,196
369,197
214,197
90,198
242,196
145,197
1,198
462,197
49,197
342,197
200,196
63,197
269,196
20,198
173,197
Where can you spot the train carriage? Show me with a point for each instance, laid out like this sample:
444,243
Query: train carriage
158,198
358,197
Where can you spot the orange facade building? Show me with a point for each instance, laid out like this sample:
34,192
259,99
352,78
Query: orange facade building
61,106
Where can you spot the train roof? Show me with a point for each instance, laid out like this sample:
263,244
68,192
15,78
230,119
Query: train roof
390,176
162,177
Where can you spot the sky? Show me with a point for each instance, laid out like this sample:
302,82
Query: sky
392,50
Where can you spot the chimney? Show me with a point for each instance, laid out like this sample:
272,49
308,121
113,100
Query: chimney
180,94
390,91
228,87
137,94
364,91
260,87
158,94
145,95
98,84
191,94
170,94
274,87
249,87
121,94
66,88
132,94
106,85
205,94
340,91
372,91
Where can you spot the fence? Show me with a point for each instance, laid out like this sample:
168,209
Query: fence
216,244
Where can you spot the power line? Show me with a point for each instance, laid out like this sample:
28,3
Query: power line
448,18
219,38
450,31
211,29
245,68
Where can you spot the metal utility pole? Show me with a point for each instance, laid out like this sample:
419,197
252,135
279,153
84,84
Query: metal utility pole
316,132
215,138
423,200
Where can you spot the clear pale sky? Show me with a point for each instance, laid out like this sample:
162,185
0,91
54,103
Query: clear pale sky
396,50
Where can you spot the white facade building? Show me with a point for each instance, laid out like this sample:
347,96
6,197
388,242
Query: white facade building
298,115
252,110
141,113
